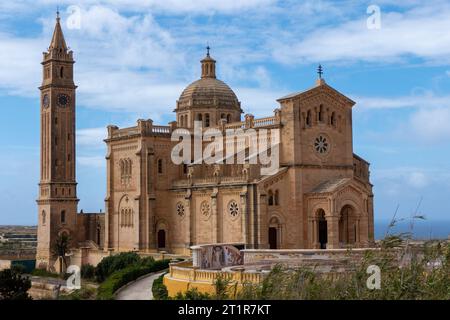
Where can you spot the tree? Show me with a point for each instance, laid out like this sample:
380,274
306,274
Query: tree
14,286
60,248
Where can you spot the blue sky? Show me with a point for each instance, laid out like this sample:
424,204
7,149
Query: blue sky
135,57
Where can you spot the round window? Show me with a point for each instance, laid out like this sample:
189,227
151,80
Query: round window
180,209
321,144
233,208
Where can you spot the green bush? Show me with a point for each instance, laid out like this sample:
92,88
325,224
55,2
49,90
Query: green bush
115,263
159,289
18,269
193,294
87,271
14,286
416,280
44,273
85,293
120,278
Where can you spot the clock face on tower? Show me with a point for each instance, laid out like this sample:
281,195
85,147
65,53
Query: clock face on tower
46,101
63,100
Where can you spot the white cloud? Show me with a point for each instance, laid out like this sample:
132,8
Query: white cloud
91,137
18,58
425,100
419,32
427,122
168,6
92,161
432,125
395,180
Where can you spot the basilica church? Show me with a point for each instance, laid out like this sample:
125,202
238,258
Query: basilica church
320,196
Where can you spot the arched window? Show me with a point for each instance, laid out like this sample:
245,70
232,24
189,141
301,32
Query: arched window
320,113
222,116
333,119
130,167
207,120
199,117
270,198
44,218
276,200
308,118
63,216
61,72
228,118
160,166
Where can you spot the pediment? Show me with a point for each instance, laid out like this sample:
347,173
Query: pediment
318,92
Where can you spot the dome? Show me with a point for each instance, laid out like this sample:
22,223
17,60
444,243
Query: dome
209,91
206,92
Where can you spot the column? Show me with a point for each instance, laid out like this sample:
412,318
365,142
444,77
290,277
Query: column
262,227
363,231
244,217
214,217
315,223
333,232
358,232
188,219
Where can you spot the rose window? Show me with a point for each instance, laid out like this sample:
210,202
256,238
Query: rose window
180,209
205,209
321,144
233,208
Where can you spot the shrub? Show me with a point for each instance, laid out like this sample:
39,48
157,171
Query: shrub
18,269
87,271
14,286
115,263
44,273
426,276
85,293
159,290
120,278
193,294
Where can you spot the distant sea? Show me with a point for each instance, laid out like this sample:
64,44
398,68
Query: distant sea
422,230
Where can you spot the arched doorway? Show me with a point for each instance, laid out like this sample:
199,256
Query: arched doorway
161,239
347,231
273,238
274,233
323,229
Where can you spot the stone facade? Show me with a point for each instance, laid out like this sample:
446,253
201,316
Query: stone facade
319,197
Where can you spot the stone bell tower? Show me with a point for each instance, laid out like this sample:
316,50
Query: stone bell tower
57,202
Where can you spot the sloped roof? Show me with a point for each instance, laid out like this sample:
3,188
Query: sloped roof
330,185
321,87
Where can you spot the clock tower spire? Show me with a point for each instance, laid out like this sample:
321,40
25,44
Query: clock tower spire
57,202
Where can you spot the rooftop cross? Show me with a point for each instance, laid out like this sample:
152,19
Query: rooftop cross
320,71
207,49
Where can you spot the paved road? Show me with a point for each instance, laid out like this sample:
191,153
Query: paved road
139,290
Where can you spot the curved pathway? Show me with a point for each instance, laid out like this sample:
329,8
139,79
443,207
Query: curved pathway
140,289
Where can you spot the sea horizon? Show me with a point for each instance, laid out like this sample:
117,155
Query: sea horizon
422,229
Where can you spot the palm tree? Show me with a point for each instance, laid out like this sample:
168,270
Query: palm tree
60,248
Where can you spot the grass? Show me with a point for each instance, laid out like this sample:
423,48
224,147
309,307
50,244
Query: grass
44,273
119,278
159,290
407,273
